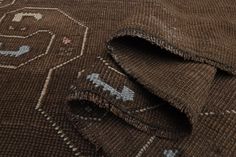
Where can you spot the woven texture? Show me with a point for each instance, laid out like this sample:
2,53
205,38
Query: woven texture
118,78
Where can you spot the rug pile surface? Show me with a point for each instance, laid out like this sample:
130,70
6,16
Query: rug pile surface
118,78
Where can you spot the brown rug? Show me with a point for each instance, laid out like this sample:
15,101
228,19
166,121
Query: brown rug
118,78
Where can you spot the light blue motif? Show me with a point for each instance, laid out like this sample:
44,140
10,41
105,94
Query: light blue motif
170,153
22,50
126,93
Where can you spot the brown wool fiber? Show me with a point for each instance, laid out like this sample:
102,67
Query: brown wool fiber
118,78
